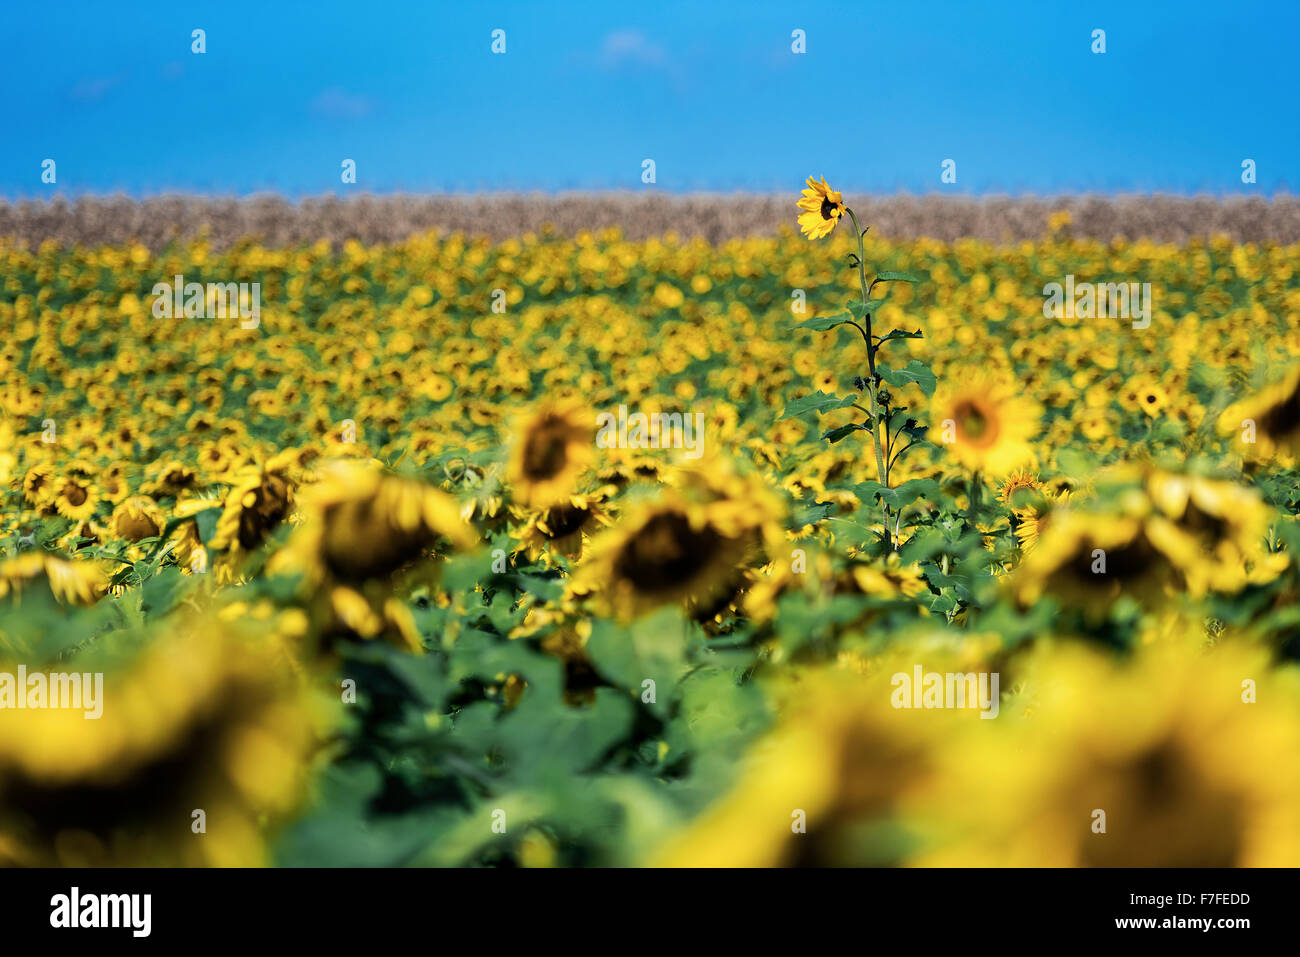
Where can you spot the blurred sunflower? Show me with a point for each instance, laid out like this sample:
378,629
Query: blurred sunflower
69,581
361,530
136,518
1213,531
984,424
38,484
1267,424
1088,559
257,502
691,546
825,787
1186,770
201,721
822,208
560,528
551,450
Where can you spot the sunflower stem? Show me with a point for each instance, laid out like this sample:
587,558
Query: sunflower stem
882,474
976,487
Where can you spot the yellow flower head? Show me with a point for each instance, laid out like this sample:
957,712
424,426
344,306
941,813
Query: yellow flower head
822,208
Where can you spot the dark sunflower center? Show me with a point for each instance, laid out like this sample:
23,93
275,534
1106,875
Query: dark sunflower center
360,544
666,553
828,208
76,495
1126,563
270,507
564,520
1210,527
1171,816
1283,418
544,455
975,423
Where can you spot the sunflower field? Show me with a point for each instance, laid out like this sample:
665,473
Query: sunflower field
367,587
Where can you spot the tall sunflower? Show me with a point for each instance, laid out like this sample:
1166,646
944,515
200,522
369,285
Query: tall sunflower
822,208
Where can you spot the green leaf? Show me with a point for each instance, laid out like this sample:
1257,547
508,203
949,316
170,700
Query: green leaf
823,323
915,371
819,402
900,334
834,435
890,275
206,521
910,491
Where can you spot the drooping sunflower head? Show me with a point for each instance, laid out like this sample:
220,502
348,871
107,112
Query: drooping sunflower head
560,528
257,502
1086,560
1212,531
984,424
821,208
39,484
668,553
171,478
361,524
695,545
136,518
552,449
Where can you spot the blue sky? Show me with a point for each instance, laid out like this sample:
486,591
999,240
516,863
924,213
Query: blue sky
710,90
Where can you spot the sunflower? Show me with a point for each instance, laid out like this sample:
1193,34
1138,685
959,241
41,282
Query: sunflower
75,498
1267,425
170,478
258,501
137,518
888,579
38,484
841,760
1089,559
361,530
1034,518
206,719
1213,531
551,450
693,545
1016,481
822,208
561,527
1185,773
69,581
984,423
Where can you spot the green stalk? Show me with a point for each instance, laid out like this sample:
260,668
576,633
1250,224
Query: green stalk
882,475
